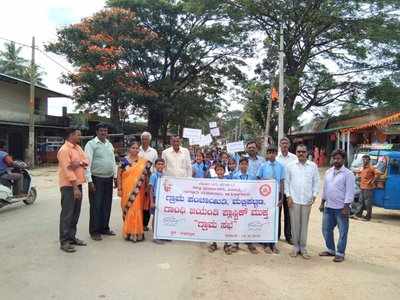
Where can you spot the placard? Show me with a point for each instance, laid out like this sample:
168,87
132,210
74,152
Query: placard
213,124
201,210
235,147
215,131
191,133
205,140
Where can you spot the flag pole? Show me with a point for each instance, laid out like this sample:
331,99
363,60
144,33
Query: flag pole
281,88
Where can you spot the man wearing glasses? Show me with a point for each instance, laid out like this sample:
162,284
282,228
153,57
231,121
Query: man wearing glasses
301,189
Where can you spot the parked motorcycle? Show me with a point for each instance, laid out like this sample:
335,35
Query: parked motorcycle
7,190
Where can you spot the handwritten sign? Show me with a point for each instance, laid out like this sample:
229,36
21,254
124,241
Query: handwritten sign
215,131
235,147
191,133
212,124
194,209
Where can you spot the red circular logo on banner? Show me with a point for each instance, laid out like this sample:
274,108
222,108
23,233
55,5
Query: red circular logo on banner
265,190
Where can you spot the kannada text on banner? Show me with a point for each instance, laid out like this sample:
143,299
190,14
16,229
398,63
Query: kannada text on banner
222,210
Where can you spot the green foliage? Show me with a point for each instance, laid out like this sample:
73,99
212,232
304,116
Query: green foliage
12,64
333,50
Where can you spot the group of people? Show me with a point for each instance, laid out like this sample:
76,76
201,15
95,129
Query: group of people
137,175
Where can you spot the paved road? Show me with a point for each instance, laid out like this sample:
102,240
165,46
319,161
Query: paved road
32,266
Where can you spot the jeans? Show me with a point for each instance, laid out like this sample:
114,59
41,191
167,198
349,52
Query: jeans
331,218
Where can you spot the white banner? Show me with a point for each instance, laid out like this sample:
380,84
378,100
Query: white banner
215,132
205,140
191,133
220,210
212,124
235,147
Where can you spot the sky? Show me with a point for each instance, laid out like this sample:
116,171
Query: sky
22,19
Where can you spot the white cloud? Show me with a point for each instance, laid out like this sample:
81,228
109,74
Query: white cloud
22,19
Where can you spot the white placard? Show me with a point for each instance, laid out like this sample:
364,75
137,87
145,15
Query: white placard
214,131
205,140
235,147
219,210
191,133
195,141
213,124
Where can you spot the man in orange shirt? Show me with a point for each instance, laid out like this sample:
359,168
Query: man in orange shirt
368,176
72,162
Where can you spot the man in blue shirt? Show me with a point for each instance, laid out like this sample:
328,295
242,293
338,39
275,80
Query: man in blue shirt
272,169
255,161
6,162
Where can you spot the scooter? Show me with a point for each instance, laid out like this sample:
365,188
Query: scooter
7,190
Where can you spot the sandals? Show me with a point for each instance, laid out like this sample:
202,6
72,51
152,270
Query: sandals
228,249
235,248
252,249
212,248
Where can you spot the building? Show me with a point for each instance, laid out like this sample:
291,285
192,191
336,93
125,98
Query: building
14,116
350,131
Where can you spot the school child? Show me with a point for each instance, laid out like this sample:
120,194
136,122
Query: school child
159,166
200,169
243,174
220,171
232,168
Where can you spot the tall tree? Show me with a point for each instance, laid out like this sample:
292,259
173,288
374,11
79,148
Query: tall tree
101,47
333,49
11,62
197,47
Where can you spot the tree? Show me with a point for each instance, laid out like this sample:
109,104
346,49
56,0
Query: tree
196,49
333,49
11,62
101,47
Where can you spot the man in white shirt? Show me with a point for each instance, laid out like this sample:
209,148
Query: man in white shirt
285,158
150,154
145,151
177,159
301,188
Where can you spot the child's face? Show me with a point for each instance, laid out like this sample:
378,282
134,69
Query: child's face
199,158
244,166
224,157
160,166
220,171
232,165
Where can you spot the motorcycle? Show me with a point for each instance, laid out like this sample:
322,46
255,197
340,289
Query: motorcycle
7,190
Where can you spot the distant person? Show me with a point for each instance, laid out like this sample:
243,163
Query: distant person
272,169
100,176
368,175
72,162
255,160
177,159
133,174
6,163
301,189
285,158
337,196
150,154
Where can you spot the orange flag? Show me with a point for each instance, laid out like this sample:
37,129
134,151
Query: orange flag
274,94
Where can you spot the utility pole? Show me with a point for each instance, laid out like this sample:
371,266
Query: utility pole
31,140
281,88
267,125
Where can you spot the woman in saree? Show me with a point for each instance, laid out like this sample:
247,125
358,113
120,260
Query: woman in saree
132,186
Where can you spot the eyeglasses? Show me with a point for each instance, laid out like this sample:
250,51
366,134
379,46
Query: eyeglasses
299,151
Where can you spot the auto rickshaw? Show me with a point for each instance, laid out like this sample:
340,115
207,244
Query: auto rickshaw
387,191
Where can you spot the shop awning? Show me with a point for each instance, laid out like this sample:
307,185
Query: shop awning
384,122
